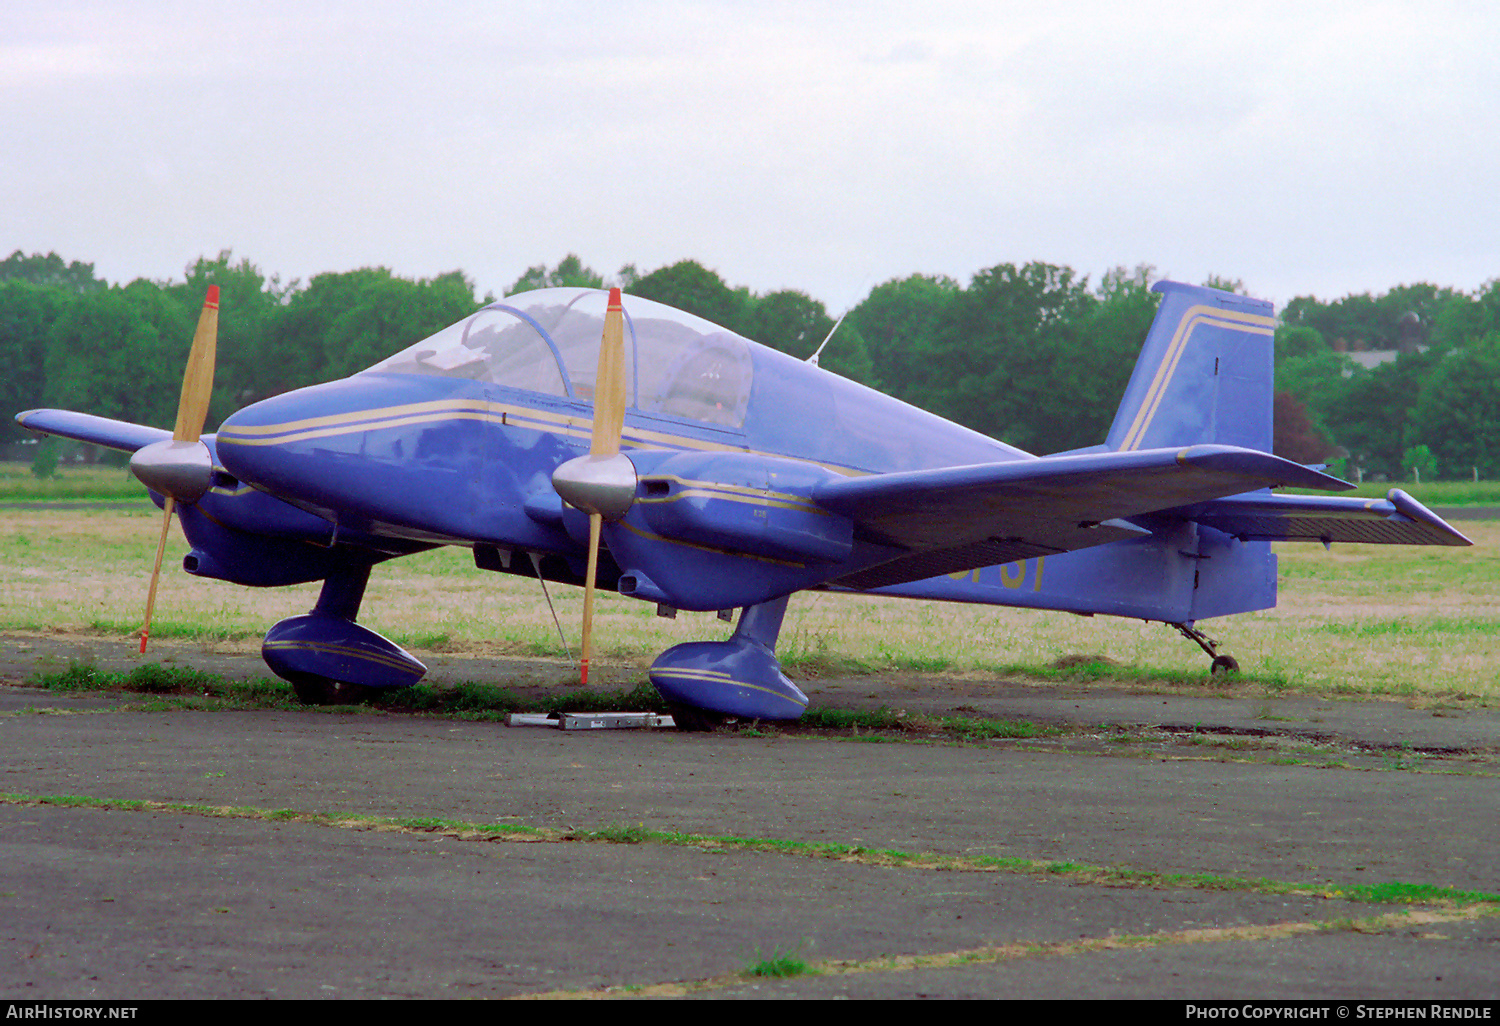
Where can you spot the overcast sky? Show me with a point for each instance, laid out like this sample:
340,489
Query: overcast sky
1306,148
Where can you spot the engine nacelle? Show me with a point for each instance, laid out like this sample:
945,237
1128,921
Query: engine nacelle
258,560
725,529
742,503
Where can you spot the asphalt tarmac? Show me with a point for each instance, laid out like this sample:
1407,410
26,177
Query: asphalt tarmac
228,872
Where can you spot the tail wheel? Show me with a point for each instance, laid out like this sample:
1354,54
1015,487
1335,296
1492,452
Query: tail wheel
1223,664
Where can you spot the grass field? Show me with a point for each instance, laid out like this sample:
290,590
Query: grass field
1396,621
17,483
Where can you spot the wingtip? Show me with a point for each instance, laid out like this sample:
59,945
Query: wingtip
1410,508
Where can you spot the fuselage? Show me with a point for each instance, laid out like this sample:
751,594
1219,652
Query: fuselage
449,451
454,441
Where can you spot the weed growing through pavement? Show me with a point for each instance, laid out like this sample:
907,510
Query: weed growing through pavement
780,965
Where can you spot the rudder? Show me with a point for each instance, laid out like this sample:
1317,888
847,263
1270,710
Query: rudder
1205,374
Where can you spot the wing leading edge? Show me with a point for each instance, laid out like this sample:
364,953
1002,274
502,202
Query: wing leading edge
85,427
955,518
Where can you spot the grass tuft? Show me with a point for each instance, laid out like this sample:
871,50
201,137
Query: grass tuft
780,965
618,833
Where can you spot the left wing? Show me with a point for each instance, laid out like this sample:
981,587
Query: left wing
957,518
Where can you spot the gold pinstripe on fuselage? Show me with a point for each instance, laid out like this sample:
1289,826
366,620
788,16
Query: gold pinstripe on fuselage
486,411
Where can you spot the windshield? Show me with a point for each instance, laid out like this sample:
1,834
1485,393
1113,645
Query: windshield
548,341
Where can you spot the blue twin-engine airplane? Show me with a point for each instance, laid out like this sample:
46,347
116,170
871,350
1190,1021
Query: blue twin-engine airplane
584,437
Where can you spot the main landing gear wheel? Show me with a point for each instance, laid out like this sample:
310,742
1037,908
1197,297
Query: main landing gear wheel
314,690
695,720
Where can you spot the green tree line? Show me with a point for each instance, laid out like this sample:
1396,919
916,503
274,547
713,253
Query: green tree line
1033,354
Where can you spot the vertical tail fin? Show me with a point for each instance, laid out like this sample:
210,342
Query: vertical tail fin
1205,374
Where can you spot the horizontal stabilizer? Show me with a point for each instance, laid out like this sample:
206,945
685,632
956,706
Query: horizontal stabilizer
85,427
954,518
1397,519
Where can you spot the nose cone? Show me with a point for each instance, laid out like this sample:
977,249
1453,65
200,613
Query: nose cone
277,444
389,454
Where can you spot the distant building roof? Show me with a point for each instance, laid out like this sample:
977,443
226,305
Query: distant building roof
1371,359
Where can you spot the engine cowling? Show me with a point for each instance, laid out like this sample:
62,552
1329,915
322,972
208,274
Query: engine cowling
744,503
719,530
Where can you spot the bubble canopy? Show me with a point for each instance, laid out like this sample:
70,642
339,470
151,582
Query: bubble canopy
547,341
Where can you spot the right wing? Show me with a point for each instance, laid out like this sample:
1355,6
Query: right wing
85,427
957,518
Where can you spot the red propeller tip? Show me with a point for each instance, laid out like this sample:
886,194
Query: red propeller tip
212,299
614,299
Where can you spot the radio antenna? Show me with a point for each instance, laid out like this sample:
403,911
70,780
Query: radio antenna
813,359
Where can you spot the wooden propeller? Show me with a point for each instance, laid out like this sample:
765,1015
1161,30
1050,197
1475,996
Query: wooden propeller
609,425
192,411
